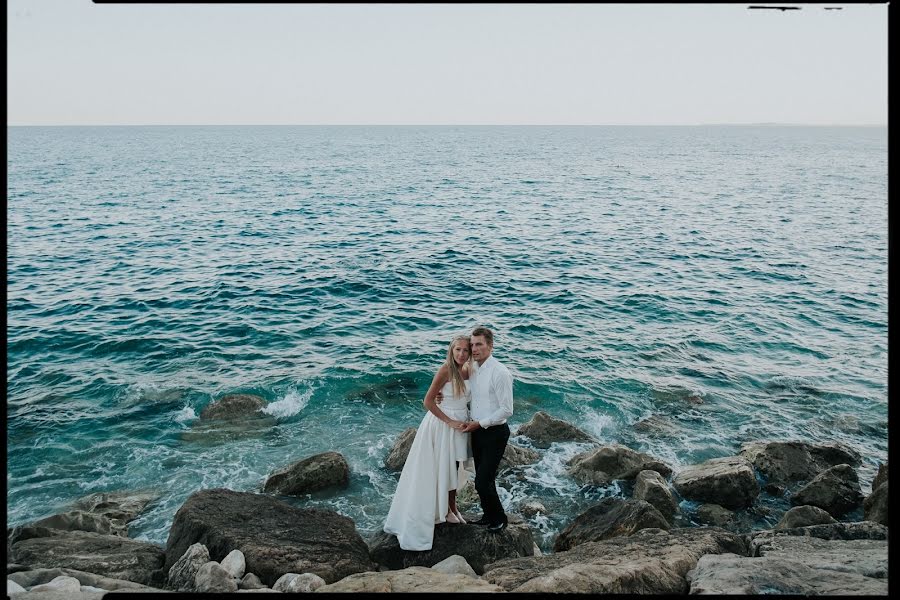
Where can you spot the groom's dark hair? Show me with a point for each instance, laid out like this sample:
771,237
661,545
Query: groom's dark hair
486,333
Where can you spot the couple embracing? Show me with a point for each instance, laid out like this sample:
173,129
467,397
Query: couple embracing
453,435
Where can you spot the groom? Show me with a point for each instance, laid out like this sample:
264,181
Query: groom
492,404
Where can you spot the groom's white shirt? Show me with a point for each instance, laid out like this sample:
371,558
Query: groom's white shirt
492,393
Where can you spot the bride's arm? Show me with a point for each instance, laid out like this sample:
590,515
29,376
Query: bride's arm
440,378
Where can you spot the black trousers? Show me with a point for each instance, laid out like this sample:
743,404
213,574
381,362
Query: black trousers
488,446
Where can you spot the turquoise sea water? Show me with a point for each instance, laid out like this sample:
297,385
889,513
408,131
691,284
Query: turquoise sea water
730,282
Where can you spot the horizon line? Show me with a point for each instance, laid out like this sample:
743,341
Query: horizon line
755,124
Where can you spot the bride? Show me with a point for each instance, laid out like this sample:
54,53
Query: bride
426,492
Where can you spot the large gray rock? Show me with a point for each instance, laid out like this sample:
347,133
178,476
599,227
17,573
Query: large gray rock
650,486
517,456
232,417
328,469
602,465
865,557
651,561
302,583
455,565
274,537
875,506
251,582
473,542
835,490
795,461
410,580
233,407
183,573
729,574
714,514
544,430
611,517
79,520
121,505
212,578
881,476
33,577
862,530
63,583
107,555
396,458
801,516
235,564
729,482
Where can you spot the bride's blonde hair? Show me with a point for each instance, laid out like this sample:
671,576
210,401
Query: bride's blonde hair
456,378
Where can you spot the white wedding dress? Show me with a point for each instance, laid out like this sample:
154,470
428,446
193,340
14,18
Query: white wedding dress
430,472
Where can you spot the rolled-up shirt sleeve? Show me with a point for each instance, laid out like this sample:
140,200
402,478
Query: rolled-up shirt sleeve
502,388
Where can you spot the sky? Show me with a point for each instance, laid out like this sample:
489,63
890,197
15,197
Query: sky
72,62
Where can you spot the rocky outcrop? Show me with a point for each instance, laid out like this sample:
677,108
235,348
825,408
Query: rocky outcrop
602,465
107,555
835,490
274,537
801,516
795,461
396,458
517,456
862,530
651,561
411,579
728,481
650,486
33,577
122,505
78,520
543,430
328,469
473,542
611,517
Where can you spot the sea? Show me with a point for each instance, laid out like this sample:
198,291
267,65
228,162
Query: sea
677,290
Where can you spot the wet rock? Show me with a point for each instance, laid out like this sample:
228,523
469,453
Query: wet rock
517,456
651,561
233,407
602,465
611,517
835,490
396,458
801,516
532,508
107,555
795,461
729,482
655,426
212,578
473,542
455,565
274,537
544,430
234,563
713,514
183,573
121,505
650,486
328,469
78,520
409,580
875,506
293,583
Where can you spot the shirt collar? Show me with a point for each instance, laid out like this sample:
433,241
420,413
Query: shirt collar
490,360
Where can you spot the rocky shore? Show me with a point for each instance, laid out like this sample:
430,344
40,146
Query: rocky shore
253,542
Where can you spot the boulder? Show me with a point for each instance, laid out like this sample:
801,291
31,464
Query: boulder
293,583
411,579
328,469
251,582
611,517
714,514
233,407
455,565
183,573
63,583
881,476
35,577
729,482
835,490
107,555
801,516
473,542
730,574
655,426
122,505
875,506
795,461
274,537
234,563
212,578
396,458
599,466
79,520
864,556
651,487
862,530
517,456
532,508
651,561
544,430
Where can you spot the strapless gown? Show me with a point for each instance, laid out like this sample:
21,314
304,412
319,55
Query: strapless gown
430,472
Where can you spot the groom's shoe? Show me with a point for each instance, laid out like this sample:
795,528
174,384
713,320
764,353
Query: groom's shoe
497,527
481,521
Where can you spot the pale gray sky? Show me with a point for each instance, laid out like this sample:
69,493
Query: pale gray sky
71,62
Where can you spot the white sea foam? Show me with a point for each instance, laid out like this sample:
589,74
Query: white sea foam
292,403
185,414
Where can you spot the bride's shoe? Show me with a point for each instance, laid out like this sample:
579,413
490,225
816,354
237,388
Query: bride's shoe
460,517
451,518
